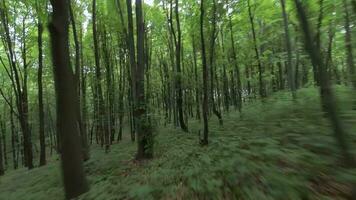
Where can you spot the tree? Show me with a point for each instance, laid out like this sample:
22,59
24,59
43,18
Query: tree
178,44
102,127
262,89
18,77
238,104
326,93
290,68
40,85
144,134
205,108
214,34
72,162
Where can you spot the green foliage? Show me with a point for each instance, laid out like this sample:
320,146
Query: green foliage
283,152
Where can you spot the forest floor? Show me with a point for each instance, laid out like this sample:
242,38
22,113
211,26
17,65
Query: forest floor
279,149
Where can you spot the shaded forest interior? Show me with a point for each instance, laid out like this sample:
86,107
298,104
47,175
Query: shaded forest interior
177,99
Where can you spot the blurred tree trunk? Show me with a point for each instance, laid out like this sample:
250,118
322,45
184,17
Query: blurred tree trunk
197,88
348,46
14,137
205,140
102,125
67,117
144,134
236,68
133,64
211,64
262,90
40,94
326,93
290,70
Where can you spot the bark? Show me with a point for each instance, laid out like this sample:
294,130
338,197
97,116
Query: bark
110,117
262,90
290,71
14,138
72,162
212,64
133,64
179,93
40,94
28,153
102,127
197,88
236,69
205,140
144,134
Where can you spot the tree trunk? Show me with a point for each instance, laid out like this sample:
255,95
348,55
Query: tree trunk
72,162
144,134
237,70
326,93
290,71
40,95
205,140
262,89
132,57
179,93
212,64
83,133
14,138
197,88
103,130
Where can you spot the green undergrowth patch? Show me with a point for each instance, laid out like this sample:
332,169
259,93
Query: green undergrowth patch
276,149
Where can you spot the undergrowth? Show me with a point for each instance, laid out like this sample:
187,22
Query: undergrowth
278,149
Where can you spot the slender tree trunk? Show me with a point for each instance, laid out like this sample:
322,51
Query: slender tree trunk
40,95
132,57
225,77
83,133
205,140
102,124
197,88
144,134
14,138
237,70
179,92
72,162
110,118
290,71
212,64
262,89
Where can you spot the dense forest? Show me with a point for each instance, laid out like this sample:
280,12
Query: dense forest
177,99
